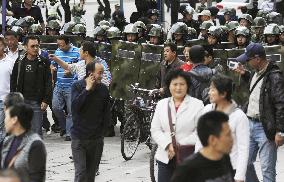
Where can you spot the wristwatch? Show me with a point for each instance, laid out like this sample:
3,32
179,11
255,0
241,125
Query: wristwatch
280,134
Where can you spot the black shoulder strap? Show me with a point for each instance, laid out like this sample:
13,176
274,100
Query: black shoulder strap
254,85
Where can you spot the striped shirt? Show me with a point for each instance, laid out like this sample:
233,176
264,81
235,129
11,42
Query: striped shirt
70,57
79,68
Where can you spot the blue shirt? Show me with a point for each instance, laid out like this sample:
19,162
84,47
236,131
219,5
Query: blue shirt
71,56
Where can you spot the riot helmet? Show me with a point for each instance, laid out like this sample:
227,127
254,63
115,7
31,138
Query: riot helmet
35,29
259,22
79,29
186,9
271,33
242,37
104,22
67,28
131,32
140,26
156,34
53,24
232,25
206,25
214,35
248,19
274,17
113,33
262,13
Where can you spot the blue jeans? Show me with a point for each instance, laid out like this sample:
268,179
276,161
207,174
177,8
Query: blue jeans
37,118
62,97
2,124
165,171
267,154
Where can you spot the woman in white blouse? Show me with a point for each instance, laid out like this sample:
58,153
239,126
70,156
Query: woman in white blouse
220,93
185,111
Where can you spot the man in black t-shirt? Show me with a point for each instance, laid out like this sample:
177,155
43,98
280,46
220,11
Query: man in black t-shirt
212,163
31,76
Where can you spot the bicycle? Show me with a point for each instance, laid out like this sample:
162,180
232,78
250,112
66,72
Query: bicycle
136,129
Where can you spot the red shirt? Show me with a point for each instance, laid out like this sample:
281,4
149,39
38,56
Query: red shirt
187,67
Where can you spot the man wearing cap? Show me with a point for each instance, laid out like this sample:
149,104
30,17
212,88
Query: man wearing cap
265,110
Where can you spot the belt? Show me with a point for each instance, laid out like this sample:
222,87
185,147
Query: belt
254,119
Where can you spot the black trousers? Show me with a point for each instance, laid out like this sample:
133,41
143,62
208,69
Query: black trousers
87,156
165,171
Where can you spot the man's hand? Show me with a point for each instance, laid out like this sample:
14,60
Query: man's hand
43,106
90,82
161,90
279,140
240,69
67,73
171,151
53,57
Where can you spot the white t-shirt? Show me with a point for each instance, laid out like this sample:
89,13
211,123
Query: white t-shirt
6,68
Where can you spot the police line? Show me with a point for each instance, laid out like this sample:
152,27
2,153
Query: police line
131,62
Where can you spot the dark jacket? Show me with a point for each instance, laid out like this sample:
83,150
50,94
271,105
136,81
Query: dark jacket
164,69
271,102
90,111
43,81
200,79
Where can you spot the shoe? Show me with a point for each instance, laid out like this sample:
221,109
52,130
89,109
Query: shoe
55,128
62,132
67,138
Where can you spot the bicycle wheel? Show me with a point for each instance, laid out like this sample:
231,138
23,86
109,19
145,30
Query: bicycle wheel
130,138
153,164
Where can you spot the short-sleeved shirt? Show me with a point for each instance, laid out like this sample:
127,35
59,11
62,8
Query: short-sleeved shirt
71,56
6,67
22,11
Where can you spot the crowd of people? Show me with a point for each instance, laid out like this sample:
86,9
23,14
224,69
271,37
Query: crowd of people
201,113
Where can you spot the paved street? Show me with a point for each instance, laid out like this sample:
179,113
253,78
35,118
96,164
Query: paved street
113,167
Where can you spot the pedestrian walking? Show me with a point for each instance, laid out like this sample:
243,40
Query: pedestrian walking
220,94
211,163
23,150
31,76
265,111
62,91
180,122
91,116
6,67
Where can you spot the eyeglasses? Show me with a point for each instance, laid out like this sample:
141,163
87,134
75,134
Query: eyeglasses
34,46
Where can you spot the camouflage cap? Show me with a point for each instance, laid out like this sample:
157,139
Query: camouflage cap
259,22
79,29
242,31
232,25
246,17
206,25
53,24
271,29
35,29
215,31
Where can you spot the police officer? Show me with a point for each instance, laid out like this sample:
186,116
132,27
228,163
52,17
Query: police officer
156,35
118,18
271,34
131,33
100,33
231,31
258,27
281,36
77,13
152,16
187,13
242,37
179,33
53,27
25,23
214,36
245,20
204,29
99,16
142,31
